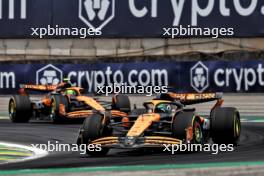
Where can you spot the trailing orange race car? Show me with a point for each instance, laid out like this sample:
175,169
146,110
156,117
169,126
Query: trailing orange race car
59,103
164,120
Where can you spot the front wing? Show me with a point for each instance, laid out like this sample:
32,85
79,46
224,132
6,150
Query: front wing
135,142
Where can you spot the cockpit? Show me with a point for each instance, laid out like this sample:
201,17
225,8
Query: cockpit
163,108
160,107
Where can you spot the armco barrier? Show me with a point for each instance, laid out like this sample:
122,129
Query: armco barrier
129,18
224,76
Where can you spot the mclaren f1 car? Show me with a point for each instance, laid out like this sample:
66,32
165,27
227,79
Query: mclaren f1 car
164,120
60,102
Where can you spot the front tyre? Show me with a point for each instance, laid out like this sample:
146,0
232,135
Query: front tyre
94,129
121,102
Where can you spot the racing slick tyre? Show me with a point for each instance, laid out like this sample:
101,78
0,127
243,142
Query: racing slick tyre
182,122
94,129
121,102
225,125
19,108
56,101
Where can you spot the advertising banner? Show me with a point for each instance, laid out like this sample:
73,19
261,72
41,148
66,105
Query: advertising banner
130,18
208,76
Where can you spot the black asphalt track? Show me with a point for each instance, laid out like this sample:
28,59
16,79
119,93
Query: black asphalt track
250,148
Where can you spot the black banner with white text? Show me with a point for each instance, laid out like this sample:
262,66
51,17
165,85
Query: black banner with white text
130,18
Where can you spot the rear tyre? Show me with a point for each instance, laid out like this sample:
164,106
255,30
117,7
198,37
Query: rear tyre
226,125
19,108
184,120
55,115
121,102
94,129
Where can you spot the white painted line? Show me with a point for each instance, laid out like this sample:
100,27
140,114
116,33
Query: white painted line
23,14
38,153
4,117
249,121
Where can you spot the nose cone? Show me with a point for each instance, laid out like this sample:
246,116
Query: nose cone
142,123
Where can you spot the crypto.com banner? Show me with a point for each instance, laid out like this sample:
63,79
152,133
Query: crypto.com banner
209,76
128,18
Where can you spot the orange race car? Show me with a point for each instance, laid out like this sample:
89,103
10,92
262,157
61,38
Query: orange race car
59,103
164,120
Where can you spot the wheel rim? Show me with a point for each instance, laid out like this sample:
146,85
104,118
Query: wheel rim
197,133
12,109
236,126
53,109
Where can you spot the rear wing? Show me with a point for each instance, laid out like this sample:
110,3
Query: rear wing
191,98
42,88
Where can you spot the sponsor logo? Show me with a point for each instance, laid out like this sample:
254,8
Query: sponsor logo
199,77
199,10
91,79
49,75
239,79
7,80
96,13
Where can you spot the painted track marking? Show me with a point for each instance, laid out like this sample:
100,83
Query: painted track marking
11,153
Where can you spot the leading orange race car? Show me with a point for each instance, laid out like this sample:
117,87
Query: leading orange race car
164,120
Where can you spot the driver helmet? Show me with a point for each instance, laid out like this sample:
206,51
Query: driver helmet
163,108
70,92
